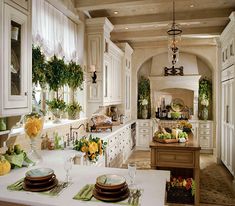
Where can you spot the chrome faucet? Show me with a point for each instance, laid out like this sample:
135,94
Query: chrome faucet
72,138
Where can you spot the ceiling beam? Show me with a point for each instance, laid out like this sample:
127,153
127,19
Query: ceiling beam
185,42
85,5
202,15
157,34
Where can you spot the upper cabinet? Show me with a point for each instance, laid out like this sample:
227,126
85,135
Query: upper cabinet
107,59
15,58
228,43
126,76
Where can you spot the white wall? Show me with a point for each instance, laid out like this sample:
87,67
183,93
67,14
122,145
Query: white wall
188,61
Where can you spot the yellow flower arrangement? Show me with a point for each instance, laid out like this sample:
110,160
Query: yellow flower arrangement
93,147
33,125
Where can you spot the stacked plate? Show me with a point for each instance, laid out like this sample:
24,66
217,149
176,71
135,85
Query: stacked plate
40,179
111,188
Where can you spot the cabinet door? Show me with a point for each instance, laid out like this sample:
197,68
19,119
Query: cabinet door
15,59
107,84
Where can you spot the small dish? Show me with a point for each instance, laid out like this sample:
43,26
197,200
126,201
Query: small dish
110,180
39,174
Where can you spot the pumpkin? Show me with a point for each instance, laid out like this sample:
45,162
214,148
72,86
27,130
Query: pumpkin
5,166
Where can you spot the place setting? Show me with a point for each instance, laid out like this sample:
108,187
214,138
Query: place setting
44,180
113,188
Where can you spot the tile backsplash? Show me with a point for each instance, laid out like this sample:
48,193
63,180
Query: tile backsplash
63,131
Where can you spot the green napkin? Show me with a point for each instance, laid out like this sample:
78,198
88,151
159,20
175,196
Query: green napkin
85,193
17,186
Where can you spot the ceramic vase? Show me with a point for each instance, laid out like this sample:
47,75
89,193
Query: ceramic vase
145,113
205,113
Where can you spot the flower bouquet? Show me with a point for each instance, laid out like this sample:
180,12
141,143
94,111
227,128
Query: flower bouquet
33,125
92,147
185,126
181,190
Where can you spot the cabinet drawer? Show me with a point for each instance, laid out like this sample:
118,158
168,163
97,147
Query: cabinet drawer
144,124
205,141
144,130
23,3
204,131
175,158
205,126
112,140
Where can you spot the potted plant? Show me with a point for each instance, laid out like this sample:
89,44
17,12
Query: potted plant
74,77
39,72
74,110
56,78
56,106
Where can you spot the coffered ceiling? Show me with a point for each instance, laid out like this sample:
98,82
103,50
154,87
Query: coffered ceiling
138,21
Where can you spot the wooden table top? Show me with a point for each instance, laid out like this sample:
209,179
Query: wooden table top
191,144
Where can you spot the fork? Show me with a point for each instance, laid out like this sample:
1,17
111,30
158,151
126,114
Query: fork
131,196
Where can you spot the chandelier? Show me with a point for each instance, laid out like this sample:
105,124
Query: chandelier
174,37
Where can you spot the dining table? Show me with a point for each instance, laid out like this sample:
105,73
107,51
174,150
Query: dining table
152,183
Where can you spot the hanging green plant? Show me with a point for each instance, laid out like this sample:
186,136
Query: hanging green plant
144,101
38,67
74,75
205,89
56,73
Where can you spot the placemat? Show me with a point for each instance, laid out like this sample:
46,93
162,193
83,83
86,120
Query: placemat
18,186
86,194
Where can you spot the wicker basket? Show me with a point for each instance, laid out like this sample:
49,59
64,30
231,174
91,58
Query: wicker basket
179,195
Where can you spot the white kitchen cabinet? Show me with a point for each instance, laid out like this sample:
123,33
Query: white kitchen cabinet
144,133
15,58
205,136
107,59
119,147
227,122
126,76
227,147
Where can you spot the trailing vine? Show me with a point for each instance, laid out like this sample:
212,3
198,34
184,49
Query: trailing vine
144,94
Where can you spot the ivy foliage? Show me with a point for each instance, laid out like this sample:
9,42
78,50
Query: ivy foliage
38,67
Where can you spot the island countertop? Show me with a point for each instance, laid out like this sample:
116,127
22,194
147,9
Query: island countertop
151,181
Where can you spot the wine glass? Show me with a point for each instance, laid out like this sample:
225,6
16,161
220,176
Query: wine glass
68,163
132,173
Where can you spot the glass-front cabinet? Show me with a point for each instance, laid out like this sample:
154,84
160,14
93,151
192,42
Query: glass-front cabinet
16,61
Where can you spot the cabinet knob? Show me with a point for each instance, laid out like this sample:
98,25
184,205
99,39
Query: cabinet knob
26,93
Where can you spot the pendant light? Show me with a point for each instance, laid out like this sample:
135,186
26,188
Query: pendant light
174,38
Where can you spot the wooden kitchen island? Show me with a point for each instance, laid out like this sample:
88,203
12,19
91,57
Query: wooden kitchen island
180,158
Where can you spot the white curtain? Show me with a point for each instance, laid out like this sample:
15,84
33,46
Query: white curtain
54,32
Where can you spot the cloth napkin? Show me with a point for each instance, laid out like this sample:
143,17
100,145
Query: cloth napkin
85,193
17,186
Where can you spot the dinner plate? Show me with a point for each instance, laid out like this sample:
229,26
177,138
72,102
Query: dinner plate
111,198
40,189
40,183
110,180
39,174
114,193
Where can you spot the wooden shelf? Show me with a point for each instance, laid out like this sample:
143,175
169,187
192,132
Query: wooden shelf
4,132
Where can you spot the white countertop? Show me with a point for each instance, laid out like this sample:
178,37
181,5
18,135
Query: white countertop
107,134
151,181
